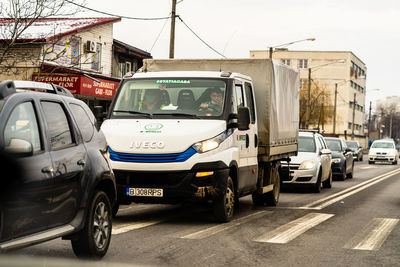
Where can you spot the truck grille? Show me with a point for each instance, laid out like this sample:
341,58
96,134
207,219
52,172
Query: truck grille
149,179
151,158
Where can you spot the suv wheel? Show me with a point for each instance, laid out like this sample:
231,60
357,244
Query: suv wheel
94,239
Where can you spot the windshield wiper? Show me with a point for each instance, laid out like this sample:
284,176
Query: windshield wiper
194,116
134,112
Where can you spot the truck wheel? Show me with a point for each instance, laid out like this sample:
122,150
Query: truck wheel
328,182
272,198
225,205
94,239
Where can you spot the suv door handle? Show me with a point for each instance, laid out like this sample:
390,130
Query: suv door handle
48,170
81,162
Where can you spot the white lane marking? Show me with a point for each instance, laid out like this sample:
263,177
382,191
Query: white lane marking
290,231
372,236
123,228
368,167
221,227
352,190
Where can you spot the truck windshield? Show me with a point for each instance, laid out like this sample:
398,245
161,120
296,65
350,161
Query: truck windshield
176,97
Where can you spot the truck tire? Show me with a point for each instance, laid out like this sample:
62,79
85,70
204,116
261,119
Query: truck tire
224,206
95,237
272,198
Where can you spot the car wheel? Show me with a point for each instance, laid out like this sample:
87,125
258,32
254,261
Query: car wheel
328,182
350,174
94,239
317,185
371,162
115,209
225,205
394,162
343,174
361,158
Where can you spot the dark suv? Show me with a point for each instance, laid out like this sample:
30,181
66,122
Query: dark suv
57,181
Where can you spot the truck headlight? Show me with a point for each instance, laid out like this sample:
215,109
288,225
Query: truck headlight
213,143
338,160
307,165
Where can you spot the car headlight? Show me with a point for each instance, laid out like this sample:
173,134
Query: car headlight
213,143
392,154
337,160
307,165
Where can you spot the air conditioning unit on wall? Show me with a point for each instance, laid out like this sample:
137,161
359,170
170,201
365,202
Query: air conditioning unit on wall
90,46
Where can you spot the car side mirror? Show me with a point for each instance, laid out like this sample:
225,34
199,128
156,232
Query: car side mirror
20,147
325,151
243,118
347,150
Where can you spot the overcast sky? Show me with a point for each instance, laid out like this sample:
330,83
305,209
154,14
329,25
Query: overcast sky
370,29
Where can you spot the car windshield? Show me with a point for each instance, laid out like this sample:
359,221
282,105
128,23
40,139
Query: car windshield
306,144
382,145
352,144
188,98
333,145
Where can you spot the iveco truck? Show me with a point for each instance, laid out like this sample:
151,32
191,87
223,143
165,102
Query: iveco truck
207,129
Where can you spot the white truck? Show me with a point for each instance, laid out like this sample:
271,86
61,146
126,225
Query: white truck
209,129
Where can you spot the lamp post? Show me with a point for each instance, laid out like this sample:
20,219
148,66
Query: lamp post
271,48
309,86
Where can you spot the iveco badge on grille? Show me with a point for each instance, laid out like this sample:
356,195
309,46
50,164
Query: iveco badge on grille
147,144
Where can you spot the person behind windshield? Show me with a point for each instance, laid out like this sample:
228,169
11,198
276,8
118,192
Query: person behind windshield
151,101
215,102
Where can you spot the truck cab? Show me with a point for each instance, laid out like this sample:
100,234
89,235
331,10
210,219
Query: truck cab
180,135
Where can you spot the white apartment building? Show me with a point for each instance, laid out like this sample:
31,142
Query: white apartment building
340,70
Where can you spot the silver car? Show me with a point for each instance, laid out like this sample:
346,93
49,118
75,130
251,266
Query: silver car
312,165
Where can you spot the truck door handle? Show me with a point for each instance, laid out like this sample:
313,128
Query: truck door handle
81,162
247,140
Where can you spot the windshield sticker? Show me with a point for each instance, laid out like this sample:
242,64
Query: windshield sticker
174,81
152,128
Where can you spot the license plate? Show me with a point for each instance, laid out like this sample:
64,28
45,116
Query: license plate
144,192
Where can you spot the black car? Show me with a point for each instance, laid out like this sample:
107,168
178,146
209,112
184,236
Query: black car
356,148
342,158
57,182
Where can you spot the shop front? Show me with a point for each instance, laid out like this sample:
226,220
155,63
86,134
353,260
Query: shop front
93,91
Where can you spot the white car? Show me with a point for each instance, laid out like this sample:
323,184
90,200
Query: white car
311,166
383,150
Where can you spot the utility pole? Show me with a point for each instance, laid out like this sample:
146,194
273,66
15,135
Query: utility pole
172,35
334,111
369,119
308,98
354,114
390,125
270,52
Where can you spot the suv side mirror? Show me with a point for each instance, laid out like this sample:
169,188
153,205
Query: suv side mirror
20,147
325,151
243,118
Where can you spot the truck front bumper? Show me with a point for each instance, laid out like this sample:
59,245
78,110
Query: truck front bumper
176,185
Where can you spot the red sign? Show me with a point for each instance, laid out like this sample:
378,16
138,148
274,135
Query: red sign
79,84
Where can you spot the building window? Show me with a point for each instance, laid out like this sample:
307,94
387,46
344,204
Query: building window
128,66
303,63
349,125
96,60
286,61
351,104
303,83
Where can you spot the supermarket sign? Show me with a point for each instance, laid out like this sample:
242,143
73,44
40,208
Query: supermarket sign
79,85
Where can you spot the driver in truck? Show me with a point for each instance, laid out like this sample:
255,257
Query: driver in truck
215,102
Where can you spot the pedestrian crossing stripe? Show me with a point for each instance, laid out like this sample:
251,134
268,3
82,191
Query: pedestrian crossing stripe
372,236
290,231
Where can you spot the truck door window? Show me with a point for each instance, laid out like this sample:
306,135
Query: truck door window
250,102
239,95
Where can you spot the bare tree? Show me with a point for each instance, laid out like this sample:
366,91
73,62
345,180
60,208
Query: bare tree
17,44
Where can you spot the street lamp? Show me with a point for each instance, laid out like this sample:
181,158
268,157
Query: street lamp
271,48
309,86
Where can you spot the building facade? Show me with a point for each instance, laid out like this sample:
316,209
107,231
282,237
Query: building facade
340,78
79,54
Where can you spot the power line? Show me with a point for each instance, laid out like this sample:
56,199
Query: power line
113,15
158,36
200,38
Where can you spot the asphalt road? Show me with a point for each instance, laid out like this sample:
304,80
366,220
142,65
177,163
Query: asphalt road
356,223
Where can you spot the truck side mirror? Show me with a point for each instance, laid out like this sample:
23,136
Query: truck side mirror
243,118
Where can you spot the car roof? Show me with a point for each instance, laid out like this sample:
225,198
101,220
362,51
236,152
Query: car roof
10,87
310,134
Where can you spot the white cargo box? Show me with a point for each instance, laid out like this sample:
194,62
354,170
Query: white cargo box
276,88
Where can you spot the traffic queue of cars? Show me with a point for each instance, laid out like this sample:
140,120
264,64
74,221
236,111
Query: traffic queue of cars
58,179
